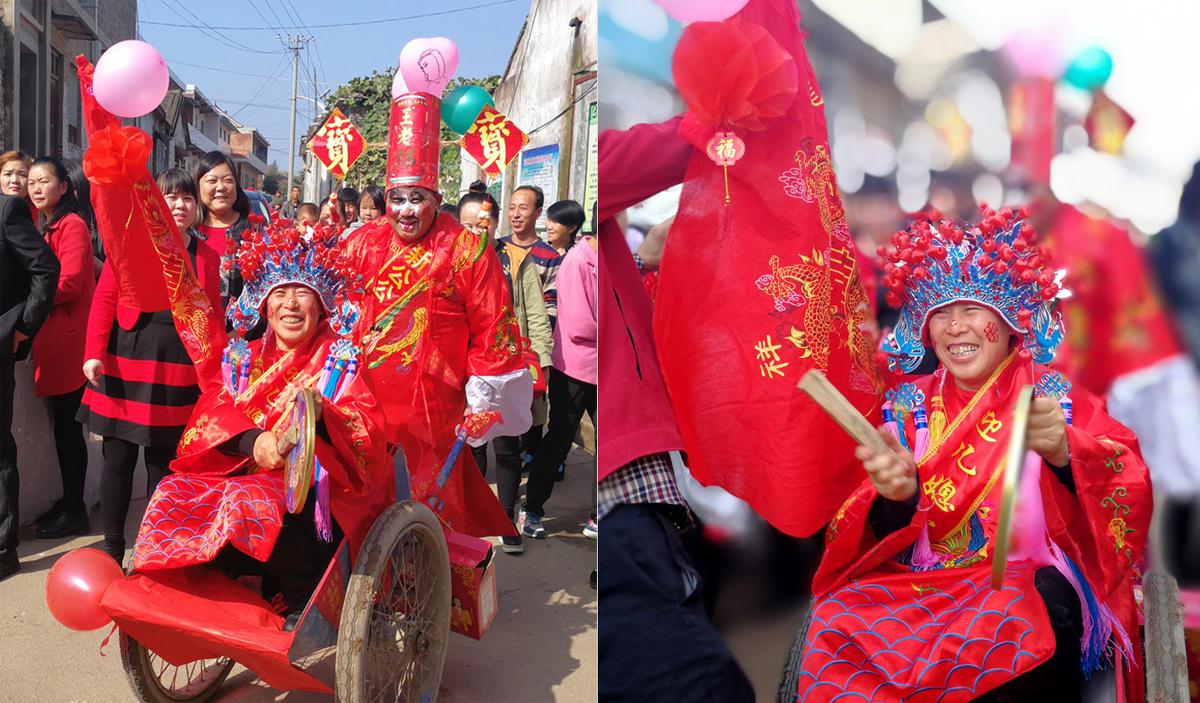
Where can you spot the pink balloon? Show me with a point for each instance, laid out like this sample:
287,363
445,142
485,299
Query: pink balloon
701,10
75,586
399,87
428,64
1037,53
131,79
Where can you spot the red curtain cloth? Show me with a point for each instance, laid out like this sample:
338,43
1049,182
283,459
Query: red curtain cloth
753,294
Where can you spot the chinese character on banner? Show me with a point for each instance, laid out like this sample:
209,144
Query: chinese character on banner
338,144
493,141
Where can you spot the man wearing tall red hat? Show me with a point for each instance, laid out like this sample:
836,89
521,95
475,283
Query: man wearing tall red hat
443,341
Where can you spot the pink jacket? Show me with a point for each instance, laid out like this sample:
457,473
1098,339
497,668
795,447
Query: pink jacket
638,419
575,334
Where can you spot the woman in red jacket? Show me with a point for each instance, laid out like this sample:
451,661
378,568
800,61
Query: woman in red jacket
58,348
143,384
224,213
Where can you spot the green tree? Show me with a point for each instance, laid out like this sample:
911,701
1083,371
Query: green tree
272,179
366,100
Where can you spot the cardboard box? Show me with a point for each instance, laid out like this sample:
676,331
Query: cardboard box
473,604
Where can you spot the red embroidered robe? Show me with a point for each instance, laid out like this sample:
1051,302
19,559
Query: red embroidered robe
440,315
891,633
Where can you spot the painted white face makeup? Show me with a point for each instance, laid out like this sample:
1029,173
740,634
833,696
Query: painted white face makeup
412,211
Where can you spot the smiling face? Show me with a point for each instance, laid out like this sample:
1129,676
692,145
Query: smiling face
218,191
523,212
558,235
293,312
366,209
14,178
412,211
468,216
183,208
970,340
45,189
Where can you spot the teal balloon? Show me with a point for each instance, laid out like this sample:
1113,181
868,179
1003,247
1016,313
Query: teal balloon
1089,70
462,106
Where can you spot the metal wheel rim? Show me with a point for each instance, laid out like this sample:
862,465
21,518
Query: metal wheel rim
183,683
405,633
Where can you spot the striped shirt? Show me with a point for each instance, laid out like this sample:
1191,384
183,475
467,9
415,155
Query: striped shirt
547,260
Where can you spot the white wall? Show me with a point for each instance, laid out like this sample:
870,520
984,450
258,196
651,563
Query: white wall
537,88
37,462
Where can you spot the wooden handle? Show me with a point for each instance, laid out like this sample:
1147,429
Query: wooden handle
288,440
841,410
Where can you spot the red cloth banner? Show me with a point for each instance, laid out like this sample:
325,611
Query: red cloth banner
338,144
1031,122
753,294
493,141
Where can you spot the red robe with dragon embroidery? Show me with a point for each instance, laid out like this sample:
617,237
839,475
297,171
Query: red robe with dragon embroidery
882,629
440,314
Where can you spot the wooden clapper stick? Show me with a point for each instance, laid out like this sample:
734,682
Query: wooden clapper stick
859,428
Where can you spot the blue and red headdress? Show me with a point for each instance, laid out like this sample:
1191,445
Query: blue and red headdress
282,254
936,262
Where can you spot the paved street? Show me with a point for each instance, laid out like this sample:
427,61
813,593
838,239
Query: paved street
542,645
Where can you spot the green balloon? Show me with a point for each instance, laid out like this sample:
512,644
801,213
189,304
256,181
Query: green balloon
462,106
1089,70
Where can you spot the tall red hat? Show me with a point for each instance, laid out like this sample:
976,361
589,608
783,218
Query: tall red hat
414,141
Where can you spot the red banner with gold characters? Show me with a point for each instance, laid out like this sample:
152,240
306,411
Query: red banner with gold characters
338,144
493,141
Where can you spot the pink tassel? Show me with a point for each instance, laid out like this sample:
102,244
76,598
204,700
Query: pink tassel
923,558
321,515
1029,524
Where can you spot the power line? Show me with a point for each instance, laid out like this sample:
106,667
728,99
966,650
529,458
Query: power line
273,12
298,26
266,84
173,62
258,12
554,119
213,33
231,101
316,45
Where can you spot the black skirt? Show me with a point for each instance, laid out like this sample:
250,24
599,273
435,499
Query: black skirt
148,388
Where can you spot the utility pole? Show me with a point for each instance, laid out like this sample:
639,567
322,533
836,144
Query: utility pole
291,164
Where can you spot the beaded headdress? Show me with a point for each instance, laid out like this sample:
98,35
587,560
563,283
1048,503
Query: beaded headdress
282,254
936,262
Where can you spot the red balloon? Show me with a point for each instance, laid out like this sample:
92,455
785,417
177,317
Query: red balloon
75,586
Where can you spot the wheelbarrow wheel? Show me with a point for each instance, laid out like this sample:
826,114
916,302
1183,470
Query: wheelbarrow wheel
395,622
155,681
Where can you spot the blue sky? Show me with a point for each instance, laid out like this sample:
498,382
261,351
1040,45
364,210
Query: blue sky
256,87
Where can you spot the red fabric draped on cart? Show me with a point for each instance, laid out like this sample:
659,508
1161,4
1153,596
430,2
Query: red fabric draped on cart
753,294
197,613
